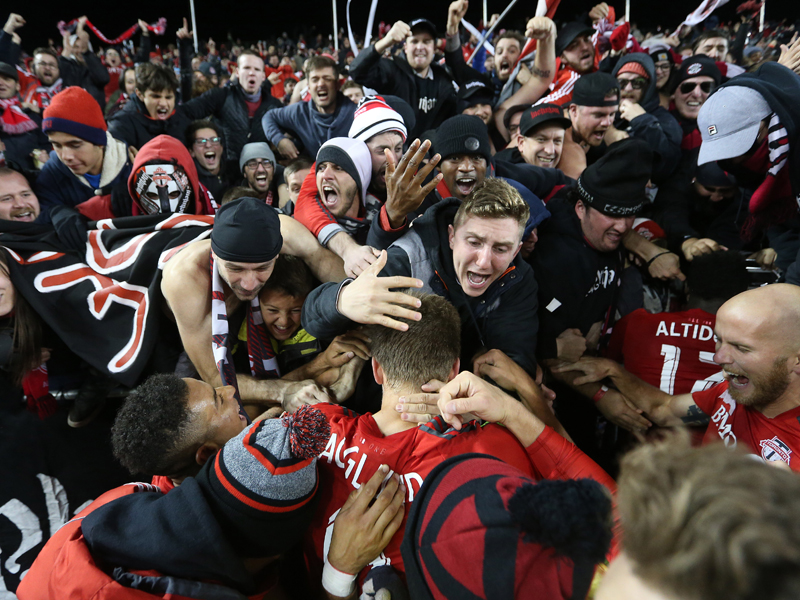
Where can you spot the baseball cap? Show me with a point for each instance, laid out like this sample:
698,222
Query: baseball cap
424,25
474,92
8,70
592,89
568,33
696,66
511,112
541,114
729,122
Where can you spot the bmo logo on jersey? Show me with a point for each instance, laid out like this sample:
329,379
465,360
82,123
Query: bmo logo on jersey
722,416
775,450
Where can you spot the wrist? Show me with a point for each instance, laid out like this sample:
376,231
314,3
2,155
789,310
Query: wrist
336,582
600,393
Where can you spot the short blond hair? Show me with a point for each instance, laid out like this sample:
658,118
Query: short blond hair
494,199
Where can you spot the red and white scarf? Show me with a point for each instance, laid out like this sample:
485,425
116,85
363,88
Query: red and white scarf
263,363
158,28
14,121
42,94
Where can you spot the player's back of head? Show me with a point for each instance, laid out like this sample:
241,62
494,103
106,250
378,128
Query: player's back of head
427,350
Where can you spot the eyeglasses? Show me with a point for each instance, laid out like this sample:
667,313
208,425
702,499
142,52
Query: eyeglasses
254,163
203,141
666,66
706,87
636,84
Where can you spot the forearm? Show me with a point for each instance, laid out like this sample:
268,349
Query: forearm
523,424
532,398
650,399
341,243
640,246
383,44
589,390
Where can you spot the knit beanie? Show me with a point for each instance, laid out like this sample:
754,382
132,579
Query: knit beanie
261,485
75,112
478,523
246,230
463,134
255,150
374,116
353,156
695,66
633,67
615,184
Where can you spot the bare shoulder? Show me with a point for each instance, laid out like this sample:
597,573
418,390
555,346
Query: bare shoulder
187,271
297,240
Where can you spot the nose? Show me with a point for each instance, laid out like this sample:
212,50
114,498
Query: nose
17,201
721,356
249,281
550,147
483,259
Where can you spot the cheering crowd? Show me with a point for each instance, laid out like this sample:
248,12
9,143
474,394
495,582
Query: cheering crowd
495,312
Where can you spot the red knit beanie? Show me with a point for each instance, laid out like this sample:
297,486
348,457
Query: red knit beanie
633,67
76,112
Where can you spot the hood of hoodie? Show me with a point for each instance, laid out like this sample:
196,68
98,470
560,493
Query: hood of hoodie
649,100
563,219
166,149
175,534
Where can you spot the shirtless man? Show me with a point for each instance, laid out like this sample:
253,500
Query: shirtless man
252,235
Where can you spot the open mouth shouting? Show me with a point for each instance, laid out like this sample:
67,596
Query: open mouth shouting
735,380
162,113
211,158
330,196
465,184
323,95
478,281
504,68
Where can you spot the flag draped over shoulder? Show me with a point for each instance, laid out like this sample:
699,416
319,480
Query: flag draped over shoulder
106,305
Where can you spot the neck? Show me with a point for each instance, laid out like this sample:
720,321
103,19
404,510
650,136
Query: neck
787,401
423,73
387,418
98,168
326,110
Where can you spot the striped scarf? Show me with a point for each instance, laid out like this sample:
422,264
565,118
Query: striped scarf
42,94
263,363
14,121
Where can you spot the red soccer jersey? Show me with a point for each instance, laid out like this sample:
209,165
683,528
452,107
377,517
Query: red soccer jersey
773,439
671,351
357,448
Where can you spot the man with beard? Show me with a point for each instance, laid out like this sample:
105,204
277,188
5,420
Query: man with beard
758,404
239,107
17,200
327,115
415,78
204,141
48,78
595,102
261,173
236,263
578,57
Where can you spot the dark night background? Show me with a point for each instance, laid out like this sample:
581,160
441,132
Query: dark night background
252,20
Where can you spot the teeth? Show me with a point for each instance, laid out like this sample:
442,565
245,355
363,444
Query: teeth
476,279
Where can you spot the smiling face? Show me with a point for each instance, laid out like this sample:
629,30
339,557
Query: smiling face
214,412
507,52
160,104
207,150
542,148
604,233
419,48
251,73
689,96
17,200
663,70
245,279
632,86
579,54
377,144
590,123
322,85
281,313
337,190
7,293
130,82
45,67
295,181
462,172
482,111
78,155
716,48
482,251
259,173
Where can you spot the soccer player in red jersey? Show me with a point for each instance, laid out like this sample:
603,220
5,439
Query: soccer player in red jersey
758,404
402,362
674,351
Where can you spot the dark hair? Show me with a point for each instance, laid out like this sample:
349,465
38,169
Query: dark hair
291,276
121,85
709,33
351,84
155,78
427,350
717,275
152,431
26,340
512,35
196,126
298,164
236,192
319,62
43,50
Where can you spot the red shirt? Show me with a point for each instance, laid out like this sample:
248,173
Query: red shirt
671,351
357,448
773,439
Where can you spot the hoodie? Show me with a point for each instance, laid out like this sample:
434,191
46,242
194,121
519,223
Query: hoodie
503,317
136,127
656,127
123,203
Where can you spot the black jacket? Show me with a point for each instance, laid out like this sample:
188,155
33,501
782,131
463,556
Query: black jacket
92,75
578,285
396,77
134,126
229,107
656,127
503,317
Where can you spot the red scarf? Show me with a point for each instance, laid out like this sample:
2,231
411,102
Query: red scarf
36,387
14,121
159,27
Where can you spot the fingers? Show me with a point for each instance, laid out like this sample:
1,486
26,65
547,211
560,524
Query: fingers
378,265
361,498
399,281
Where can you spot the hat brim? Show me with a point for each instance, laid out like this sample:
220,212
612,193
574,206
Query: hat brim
730,146
563,44
426,27
561,121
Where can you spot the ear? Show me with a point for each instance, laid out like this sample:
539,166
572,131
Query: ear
520,141
454,371
377,372
205,452
580,209
451,235
139,94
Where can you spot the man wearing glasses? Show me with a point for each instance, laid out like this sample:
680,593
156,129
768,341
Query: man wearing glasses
204,140
262,173
642,116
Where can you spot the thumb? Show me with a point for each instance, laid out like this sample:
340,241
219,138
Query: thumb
378,265
185,23
341,359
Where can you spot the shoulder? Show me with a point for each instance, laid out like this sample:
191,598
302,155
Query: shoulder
188,270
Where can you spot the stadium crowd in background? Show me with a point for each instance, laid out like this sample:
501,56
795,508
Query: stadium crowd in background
428,317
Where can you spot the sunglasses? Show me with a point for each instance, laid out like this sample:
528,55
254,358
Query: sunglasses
706,87
203,141
636,84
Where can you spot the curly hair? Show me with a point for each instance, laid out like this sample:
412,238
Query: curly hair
152,434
